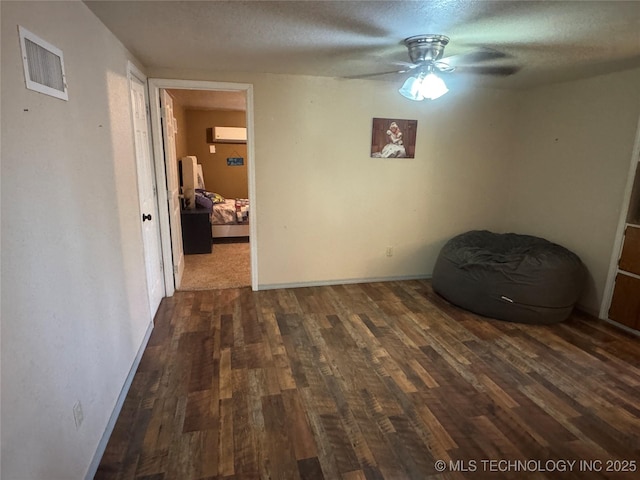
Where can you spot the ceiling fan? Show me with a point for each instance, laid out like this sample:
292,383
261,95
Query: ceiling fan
426,53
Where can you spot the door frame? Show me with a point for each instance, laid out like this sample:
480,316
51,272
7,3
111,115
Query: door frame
155,85
135,72
607,296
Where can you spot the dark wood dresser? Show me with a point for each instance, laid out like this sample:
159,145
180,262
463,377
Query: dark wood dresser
196,231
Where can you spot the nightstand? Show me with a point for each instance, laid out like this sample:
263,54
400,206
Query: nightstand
196,231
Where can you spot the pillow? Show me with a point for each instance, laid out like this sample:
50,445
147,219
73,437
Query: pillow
214,197
202,201
217,198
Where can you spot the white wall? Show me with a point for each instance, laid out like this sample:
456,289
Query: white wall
74,299
327,211
572,156
345,208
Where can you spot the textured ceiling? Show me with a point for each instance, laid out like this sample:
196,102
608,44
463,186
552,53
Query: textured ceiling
550,40
210,100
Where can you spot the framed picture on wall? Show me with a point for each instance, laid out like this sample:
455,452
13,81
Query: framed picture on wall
393,138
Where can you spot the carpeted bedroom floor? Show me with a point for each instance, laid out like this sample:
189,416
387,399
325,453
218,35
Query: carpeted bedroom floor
227,266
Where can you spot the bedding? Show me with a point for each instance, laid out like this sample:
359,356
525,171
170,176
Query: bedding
229,217
224,211
230,211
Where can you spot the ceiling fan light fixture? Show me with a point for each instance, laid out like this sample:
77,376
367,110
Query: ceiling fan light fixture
432,86
425,85
411,89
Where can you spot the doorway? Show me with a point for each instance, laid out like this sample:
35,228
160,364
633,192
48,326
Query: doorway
201,118
219,165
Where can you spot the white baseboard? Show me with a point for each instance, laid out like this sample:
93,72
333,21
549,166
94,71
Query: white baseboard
622,327
324,283
102,445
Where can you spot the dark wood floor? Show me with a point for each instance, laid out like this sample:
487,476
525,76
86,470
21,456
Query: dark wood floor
373,381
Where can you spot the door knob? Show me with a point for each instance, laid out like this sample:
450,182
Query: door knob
146,217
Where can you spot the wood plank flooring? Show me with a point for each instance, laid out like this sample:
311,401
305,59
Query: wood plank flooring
373,381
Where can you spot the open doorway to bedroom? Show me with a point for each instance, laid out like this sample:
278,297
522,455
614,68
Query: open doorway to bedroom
222,186
214,187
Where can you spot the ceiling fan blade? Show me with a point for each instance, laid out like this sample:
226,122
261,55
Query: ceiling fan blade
477,56
378,74
497,70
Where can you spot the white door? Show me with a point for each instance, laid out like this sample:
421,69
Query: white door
169,131
147,195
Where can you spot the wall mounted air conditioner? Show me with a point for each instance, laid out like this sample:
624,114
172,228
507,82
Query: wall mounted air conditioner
227,135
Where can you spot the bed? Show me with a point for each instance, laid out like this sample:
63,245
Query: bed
229,217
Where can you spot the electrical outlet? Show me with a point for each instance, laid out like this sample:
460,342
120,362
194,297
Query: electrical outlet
389,251
78,416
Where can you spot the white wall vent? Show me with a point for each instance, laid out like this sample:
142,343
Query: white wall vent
43,65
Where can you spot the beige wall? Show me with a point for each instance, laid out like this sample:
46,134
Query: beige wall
326,211
74,297
568,175
329,211
228,181
484,159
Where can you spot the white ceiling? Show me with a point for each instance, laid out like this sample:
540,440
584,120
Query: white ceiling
210,100
551,40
